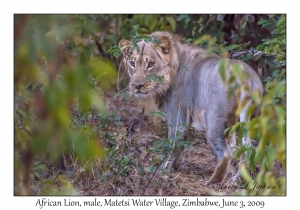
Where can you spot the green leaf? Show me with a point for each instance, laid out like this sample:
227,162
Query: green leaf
185,17
180,17
104,71
281,21
236,126
153,22
152,169
237,153
86,146
261,21
185,68
239,136
204,39
232,47
187,20
156,78
115,50
271,157
176,138
125,96
246,175
252,163
158,114
237,71
222,65
188,40
116,95
172,22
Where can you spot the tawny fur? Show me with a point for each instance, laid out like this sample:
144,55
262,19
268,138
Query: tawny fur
191,91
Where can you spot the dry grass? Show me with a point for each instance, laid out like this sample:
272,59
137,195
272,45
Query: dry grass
134,140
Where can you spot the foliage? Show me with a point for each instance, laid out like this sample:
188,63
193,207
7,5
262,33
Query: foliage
65,71
53,71
269,128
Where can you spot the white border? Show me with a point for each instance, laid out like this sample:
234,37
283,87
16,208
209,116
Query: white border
8,201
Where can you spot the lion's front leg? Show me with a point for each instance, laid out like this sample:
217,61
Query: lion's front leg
176,132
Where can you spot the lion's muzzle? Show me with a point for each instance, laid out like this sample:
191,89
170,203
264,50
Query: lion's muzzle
138,86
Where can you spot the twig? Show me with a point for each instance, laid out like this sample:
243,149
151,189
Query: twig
175,133
157,167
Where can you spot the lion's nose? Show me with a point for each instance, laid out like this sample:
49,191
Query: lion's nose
138,86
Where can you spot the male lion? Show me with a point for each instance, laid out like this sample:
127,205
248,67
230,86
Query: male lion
191,90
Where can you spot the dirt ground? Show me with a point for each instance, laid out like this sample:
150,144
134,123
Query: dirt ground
196,166
142,130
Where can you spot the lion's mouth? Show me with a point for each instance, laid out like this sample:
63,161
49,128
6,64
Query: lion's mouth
140,92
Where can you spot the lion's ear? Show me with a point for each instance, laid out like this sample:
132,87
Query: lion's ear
124,44
165,43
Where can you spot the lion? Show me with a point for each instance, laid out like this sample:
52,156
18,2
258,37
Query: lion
187,86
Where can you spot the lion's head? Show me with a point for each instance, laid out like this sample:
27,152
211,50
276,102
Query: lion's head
151,64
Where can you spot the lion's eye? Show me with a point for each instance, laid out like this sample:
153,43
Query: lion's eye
150,64
132,63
